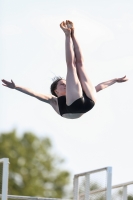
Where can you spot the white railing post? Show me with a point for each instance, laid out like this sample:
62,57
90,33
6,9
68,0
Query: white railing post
125,192
87,186
5,178
87,175
75,188
109,183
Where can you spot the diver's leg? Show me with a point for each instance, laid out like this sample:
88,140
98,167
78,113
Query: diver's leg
73,86
85,81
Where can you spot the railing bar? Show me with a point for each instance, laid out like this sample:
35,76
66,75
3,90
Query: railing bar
29,197
5,178
122,184
125,193
90,172
87,186
75,188
109,183
113,187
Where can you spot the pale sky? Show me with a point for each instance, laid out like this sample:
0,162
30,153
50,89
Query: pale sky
32,52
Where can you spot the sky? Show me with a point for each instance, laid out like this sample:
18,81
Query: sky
32,52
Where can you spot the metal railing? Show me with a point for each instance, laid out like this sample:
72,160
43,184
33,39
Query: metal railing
87,191
123,191
4,178
120,191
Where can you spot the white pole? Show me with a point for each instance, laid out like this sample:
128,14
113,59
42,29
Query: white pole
109,183
5,178
125,193
75,188
87,186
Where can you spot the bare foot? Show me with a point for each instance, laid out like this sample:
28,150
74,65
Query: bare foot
70,25
66,29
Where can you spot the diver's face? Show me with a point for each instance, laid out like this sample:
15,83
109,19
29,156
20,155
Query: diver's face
61,88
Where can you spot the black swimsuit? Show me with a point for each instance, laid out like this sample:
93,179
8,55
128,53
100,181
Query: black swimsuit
81,105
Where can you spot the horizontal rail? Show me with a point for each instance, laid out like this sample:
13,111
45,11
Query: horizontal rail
113,187
31,198
122,184
90,172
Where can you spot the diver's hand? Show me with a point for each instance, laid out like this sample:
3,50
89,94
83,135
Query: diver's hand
8,84
121,80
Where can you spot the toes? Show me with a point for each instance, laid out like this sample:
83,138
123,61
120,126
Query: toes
66,27
63,24
69,22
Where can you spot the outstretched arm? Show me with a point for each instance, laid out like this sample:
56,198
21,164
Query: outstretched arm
106,84
41,97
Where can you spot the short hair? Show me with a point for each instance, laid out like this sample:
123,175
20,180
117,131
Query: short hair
53,86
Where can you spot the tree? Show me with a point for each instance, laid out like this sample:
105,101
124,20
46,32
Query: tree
130,197
34,168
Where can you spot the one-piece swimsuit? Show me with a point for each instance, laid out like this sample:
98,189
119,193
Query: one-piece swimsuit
81,105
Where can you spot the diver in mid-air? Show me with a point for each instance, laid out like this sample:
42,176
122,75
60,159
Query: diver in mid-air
73,97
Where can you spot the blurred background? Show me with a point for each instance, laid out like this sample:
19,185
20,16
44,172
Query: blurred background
31,53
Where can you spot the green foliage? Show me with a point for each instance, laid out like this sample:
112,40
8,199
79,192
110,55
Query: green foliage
130,197
34,168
